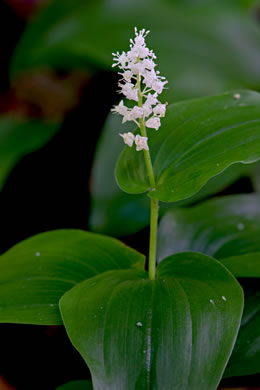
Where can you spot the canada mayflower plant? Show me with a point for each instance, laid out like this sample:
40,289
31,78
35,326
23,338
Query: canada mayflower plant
143,84
169,320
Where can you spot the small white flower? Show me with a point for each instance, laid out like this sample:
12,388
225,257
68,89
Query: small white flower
137,112
158,86
137,68
160,110
142,51
147,110
130,91
149,64
128,138
127,75
133,114
120,109
121,59
141,143
150,78
153,123
139,39
127,117
151,99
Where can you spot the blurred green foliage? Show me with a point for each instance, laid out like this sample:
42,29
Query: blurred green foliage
76,385
21,136
202,48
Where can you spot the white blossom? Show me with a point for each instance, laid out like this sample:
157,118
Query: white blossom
158,85
137,68
127,117
149,64
151,99
141,143
141,83
137,112
133,114
150,77
127,75
129,90
128,138
153,123
137,51
121,59
120,109
160,110
147,110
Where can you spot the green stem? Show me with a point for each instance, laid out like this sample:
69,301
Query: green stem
147,156
153,238
154,202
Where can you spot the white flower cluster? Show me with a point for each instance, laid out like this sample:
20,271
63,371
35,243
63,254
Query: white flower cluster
138,69
129,139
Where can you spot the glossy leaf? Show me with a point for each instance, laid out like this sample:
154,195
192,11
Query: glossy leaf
35,273
198,139
135,333
76,385
19,137
201,50
245,358
209,226
244,266
117,213
227,228
222,227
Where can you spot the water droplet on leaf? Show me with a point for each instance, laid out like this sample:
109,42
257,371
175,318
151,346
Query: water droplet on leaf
236,96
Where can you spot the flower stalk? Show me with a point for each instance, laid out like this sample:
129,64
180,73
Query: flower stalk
153,238
138,69
147,156
154,211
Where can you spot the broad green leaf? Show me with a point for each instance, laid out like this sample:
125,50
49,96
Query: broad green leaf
117,213
221,227
227,228
245,265
35,273
198,139
169,333
19,137
76,385
245,358
210,225
201,50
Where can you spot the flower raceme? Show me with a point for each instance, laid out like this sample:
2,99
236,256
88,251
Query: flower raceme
141,83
